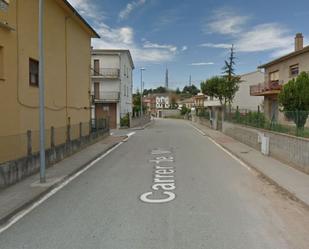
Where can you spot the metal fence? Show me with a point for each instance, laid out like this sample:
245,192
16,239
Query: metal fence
17,146
294,123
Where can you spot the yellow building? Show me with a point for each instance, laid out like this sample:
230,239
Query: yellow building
67,42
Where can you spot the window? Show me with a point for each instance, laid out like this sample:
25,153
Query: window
4,5
96,65
1,64
274,76
294,70
33,72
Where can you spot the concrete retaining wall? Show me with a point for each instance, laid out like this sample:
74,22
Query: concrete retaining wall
14,171
167,113
286,148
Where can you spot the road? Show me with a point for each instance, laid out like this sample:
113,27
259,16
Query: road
206,199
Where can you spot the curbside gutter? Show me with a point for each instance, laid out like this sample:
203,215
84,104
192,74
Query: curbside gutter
6,218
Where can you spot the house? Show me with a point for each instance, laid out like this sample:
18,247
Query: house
163,101
277,73
112,84
67,42
199,100
188,102
243,100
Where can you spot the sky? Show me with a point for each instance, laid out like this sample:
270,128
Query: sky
193,37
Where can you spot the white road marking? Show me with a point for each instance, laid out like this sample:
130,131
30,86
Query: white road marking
197,129
230,154
222,148
131,134
26,211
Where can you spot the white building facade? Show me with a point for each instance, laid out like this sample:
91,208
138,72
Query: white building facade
243,99
112,84
162,102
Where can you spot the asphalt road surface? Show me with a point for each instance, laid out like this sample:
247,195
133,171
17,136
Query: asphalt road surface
167,187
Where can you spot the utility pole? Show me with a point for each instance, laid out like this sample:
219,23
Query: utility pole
166,78
142,69
190,81
42,91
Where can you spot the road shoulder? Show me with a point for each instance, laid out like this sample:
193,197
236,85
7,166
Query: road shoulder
294,182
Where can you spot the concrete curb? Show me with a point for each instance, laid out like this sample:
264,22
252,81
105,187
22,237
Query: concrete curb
290,194
4,220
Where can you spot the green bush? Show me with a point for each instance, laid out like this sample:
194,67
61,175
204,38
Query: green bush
184,110
125,121
255,119
203,113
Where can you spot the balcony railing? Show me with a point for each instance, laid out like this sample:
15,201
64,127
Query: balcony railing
273,87
106,73
103,96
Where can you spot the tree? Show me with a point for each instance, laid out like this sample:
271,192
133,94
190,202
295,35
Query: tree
294,99
192,90
232,80
216,87
178,91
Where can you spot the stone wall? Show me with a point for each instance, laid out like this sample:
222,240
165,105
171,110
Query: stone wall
286,148
140,121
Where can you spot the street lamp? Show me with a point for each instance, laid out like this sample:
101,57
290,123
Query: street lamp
142,69
41,92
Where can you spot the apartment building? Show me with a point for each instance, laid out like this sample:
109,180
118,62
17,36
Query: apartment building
67,42
112,84
277,73
243,99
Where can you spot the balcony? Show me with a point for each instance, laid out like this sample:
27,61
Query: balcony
269,88
106,73
106,97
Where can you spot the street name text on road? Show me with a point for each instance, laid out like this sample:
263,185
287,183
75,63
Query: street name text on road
164,179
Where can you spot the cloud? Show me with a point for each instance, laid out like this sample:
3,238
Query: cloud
171,48
202,63
184,48
262,37
123,37
87,9
213,45
125,13
226,22
269,36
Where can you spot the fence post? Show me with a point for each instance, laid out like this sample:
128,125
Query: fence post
96,125
80,130
29,143
90,126
68,133
52,137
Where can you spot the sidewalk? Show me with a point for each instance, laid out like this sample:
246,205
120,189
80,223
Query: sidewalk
24,193
286,177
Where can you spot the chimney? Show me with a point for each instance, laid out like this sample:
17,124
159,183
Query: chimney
299,42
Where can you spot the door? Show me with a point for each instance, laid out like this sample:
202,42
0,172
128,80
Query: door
96,65
274,110
107,111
